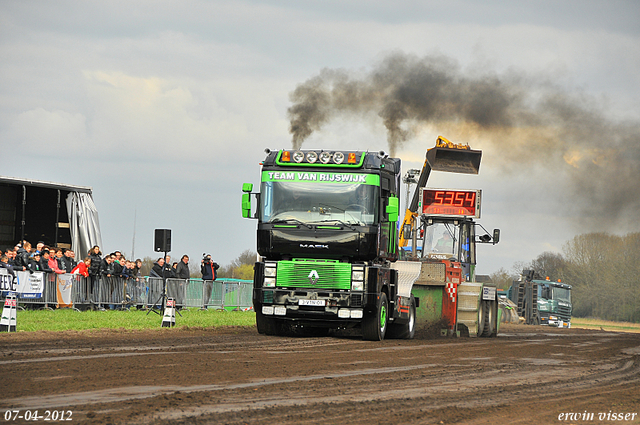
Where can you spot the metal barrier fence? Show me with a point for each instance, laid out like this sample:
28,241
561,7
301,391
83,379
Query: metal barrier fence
145,292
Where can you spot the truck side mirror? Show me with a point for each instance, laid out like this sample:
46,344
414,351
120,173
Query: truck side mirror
496,236
246,205
393,208
246,199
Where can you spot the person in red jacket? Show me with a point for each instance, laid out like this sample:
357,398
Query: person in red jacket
54,265
82,268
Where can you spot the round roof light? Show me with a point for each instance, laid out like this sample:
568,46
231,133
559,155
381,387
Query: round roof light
298,156
338,157
312,157
325,157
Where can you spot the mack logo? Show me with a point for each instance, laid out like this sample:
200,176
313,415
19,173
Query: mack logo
305,245
313,277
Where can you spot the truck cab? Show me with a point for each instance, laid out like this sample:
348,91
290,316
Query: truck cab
326,233
554,303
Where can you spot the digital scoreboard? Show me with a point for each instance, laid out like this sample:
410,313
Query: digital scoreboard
451,203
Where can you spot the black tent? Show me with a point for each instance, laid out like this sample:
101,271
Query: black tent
58,214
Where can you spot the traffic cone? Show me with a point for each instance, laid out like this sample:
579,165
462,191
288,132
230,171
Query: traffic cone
169,316
9,317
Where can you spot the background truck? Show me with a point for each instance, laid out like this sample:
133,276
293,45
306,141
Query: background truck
542,301
328,240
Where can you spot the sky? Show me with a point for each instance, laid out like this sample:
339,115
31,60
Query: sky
165,108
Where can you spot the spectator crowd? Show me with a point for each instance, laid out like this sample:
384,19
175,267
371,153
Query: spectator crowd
42,258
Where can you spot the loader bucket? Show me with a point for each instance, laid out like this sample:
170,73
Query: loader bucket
465,161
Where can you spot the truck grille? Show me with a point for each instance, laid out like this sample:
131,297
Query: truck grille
313,274
564,312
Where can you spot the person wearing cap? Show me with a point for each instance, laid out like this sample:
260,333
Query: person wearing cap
209,270
34,262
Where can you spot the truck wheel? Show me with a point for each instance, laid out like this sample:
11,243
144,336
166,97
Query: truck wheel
404,330
266,325
374,324
493,322
481,317
489,322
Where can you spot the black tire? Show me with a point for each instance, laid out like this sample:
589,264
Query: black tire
489,323
374,324
266,325
493,322
404,330
481,317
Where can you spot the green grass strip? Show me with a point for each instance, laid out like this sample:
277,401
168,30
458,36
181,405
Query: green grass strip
67,319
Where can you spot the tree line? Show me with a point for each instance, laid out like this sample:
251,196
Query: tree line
603,270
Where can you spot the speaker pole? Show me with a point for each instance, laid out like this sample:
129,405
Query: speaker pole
162,242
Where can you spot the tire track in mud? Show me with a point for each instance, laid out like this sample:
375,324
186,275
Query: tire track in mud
438,393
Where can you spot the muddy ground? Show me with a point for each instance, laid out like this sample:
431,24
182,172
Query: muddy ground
528,374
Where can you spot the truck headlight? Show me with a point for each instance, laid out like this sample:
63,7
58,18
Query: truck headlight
270,272
269,282
357,278
357,286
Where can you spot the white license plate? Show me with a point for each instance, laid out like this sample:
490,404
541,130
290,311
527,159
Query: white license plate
316,303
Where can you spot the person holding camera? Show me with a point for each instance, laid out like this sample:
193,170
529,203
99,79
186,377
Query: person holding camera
209,270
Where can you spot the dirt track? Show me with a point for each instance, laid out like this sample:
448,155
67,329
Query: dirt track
525,375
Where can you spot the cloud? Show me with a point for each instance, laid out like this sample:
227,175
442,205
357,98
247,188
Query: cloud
42,132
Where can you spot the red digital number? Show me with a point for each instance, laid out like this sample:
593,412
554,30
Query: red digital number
449,202
439,197
459,196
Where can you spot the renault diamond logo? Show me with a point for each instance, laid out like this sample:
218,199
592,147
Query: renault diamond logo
313,277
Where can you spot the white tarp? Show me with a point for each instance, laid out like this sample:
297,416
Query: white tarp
83,222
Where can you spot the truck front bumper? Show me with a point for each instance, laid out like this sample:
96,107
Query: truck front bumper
314,305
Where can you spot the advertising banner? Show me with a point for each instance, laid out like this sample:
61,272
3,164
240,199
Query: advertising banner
26,285
64,283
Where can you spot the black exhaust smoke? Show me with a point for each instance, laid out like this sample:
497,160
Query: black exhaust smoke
528,120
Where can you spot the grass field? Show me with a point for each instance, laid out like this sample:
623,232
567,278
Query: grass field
65,319
592,323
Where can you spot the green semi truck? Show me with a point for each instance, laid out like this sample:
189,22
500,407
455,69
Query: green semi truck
542,301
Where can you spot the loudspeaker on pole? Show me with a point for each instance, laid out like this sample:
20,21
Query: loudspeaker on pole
8,323
169,316
162,240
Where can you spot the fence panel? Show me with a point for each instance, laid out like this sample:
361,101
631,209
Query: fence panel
116,292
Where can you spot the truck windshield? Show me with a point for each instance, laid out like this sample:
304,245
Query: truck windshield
563,294
315,203
441,240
